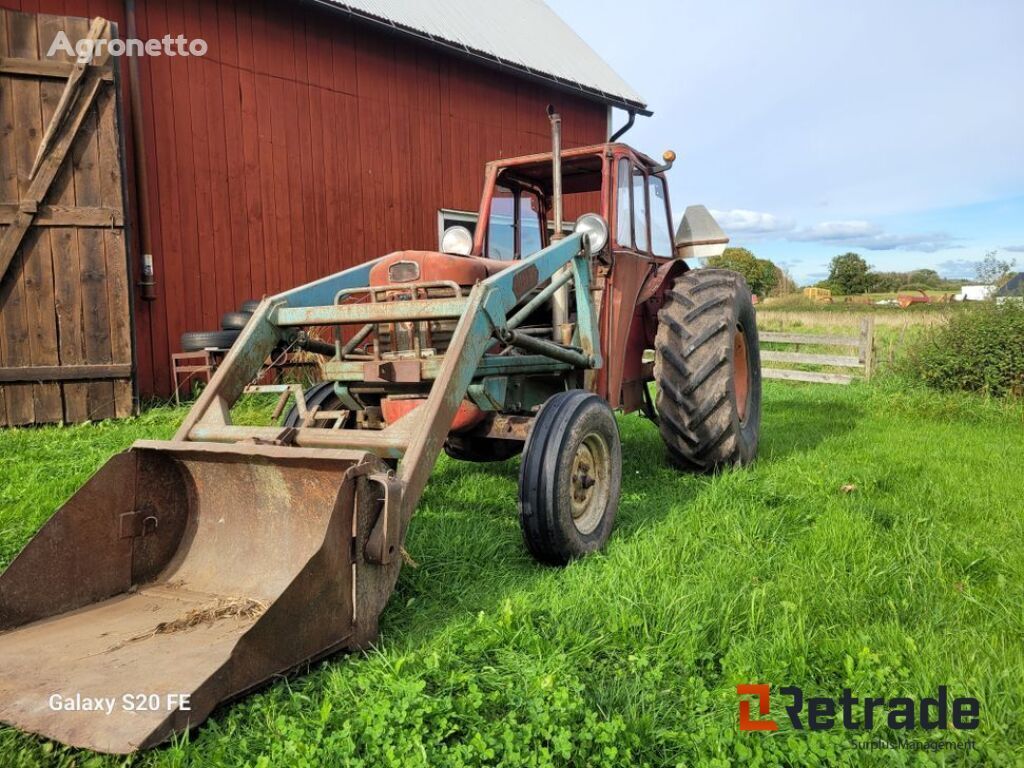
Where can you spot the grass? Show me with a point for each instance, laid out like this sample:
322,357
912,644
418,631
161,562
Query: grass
912,579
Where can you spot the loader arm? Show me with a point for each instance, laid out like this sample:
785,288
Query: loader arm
417,439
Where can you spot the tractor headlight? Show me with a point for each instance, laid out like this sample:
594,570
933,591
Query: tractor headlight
595,228
457,240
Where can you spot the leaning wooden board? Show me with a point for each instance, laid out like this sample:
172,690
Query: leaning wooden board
65,321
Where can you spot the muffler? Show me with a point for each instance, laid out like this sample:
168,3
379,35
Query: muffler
183,575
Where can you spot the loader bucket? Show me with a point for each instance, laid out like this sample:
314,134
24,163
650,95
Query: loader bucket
180,576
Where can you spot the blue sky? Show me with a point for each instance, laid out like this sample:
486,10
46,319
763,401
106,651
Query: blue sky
894,129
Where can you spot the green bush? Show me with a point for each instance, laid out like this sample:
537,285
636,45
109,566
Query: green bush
978,350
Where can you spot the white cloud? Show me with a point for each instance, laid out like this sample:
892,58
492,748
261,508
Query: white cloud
1013,248
925,243
864,234
741,221
829,231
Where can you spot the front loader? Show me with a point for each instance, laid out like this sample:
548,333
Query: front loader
192,570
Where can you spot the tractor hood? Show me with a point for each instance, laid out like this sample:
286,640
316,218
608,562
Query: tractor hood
432,266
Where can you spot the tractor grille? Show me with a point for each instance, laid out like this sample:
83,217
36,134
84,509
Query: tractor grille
433,335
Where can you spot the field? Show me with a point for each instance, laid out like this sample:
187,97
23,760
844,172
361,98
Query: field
875,545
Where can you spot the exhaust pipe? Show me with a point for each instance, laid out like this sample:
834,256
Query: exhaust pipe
560,299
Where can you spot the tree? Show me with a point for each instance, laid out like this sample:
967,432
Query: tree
992,270
848,274
761,274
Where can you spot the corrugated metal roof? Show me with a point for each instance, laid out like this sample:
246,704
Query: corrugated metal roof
524,35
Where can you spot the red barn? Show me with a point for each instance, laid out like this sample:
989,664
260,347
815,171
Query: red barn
314,135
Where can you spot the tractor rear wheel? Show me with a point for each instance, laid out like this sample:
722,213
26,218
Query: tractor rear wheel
320,396
570,477
707,366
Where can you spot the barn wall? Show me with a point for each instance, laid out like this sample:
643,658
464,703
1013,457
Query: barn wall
301,144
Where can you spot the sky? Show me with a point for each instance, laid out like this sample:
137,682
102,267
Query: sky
892,129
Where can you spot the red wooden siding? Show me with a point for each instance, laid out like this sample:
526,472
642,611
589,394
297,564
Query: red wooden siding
301,144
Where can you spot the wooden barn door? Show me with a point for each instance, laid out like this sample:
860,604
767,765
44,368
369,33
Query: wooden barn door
65,320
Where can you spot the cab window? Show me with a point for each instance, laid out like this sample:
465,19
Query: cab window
501,227
514,226
640,209
529,232
623,206
661,234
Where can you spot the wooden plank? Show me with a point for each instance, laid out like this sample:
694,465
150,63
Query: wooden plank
253,182
809,338
97,30
206,252
867,346
8,191
64,242
114,246
188,314
254,221
237,184
840,361
41,181
38,250
814,376
66,215
53,373
22,250
93,268
227,260
59,70
168,311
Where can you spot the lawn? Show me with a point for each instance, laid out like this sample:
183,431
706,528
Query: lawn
877,545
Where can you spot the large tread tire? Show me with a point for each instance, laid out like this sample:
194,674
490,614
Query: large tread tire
481,449
234,321
560,518
196,341
249,305
706,324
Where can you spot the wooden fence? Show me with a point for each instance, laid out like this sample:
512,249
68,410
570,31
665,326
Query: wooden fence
862,360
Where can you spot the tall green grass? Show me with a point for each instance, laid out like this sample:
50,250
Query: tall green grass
911,579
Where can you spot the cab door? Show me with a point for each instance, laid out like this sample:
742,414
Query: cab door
641,240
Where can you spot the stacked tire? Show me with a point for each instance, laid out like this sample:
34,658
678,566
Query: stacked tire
231,325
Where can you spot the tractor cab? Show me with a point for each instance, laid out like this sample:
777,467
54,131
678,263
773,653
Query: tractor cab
624,187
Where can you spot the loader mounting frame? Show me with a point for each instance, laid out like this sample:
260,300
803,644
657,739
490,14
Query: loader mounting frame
491,313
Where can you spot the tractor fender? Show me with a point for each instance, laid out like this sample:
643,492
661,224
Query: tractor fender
661,279
652,296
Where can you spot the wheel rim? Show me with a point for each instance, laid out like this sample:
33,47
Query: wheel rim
590,485
740,372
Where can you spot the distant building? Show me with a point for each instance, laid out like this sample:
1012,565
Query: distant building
1012,289
975,293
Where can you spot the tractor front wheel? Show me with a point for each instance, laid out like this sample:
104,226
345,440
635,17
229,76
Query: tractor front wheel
707,366
570,477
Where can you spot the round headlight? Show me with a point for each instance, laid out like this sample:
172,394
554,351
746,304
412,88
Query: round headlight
457,240
595,228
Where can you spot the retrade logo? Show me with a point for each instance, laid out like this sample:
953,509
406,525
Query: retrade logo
821,713
763,707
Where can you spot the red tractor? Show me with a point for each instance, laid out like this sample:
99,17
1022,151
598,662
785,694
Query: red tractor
523,336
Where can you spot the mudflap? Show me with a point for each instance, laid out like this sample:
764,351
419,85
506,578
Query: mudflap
183,575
